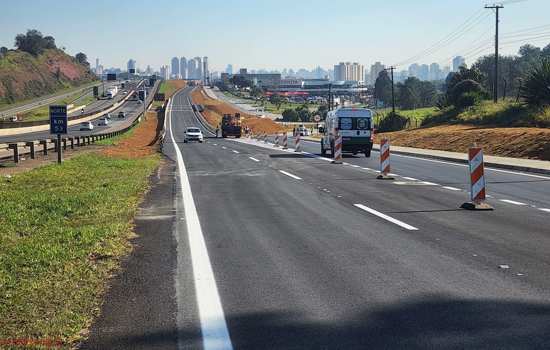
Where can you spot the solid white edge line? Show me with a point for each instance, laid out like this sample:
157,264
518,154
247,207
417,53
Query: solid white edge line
386,217
254,159
451,188
291,175
215,334
511,202
545,210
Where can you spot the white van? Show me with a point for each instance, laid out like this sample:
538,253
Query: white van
356,127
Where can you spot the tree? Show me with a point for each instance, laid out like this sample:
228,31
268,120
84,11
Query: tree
382,88
256,91
33,42
240,81
536,88
304,115
290,115
82,59
277,100
3,51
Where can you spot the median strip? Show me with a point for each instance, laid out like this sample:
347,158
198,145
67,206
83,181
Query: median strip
386,217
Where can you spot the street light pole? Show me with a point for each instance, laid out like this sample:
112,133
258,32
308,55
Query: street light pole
391,69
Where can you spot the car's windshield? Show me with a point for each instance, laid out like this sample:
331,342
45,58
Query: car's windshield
275,174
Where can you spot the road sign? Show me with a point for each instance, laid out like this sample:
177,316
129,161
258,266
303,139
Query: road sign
111,76
317,118
58,120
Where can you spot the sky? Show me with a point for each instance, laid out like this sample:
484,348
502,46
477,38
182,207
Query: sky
264,34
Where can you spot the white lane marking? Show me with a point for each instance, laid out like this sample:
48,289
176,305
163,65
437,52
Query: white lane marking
386,217
289,174
236,151
451,188
466,165
511,202
224,147
215,334
254,159
429,183
215,144
392,174
410,178
545,210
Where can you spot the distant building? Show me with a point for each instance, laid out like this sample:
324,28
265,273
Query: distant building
191,69
164,73
131,64
458,62
229,69
175,71
183,68
205,72
268,79
435,72
424,72
375,71
198,71
347,71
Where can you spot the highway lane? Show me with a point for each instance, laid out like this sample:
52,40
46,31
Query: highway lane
129,108
308,254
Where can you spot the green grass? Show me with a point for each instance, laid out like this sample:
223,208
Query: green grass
62,230
113,141
43,112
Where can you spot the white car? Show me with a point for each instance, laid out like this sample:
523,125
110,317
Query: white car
193,134
86,126
103,122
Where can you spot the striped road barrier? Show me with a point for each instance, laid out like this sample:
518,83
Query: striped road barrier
337,149
385,167
285,141
298,146
276,143
477,181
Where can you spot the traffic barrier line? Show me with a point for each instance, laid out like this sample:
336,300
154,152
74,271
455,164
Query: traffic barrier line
337,149
285,141
386,217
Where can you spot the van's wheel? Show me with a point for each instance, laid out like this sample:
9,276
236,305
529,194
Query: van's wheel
367,153
354,153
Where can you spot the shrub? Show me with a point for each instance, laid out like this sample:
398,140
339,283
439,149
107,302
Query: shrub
392,122
469,99
536,88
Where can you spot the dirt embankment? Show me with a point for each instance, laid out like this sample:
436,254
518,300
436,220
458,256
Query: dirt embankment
531,143
215,109
23,76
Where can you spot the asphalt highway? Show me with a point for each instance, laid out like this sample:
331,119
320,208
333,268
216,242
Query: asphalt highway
277,249
129,108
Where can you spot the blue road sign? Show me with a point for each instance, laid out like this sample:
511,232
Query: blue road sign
58,119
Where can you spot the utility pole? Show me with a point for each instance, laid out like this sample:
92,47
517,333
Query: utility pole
330,96
496,7
391,69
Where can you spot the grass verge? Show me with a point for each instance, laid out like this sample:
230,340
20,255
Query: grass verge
43,112
62,231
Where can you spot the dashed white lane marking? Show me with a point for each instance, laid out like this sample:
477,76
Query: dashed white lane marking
451,188
386,217
410,178
234,151
224,147
254,159
289,174
215,334
215,144
428,183
545,210
512,202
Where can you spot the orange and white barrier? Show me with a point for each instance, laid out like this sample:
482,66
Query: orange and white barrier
298,145
285,141
385,167
477,181
337,149
276,144
265,138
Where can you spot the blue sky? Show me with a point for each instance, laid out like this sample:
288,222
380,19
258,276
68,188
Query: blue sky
271,34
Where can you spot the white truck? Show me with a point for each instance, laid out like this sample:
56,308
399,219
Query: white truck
112,91
355,125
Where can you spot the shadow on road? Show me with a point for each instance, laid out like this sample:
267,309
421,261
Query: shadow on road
430,322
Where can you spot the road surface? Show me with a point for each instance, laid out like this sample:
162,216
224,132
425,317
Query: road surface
267,249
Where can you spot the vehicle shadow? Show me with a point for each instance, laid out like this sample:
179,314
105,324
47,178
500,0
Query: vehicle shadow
429,322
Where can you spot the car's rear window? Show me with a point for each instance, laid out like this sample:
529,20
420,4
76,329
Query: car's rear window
193,130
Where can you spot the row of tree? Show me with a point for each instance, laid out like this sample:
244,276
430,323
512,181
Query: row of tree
513,72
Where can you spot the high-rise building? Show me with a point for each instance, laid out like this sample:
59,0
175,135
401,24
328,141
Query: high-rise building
198,70
349,71
164,72
375,70
458,62
435,72
414,70
183,68
131,64
191,69
424,72
175,71
229,69
205,73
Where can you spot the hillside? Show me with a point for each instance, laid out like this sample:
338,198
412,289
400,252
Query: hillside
23,76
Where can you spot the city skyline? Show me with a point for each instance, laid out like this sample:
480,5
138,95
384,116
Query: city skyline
344,36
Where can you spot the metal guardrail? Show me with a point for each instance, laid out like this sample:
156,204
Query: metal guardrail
43,145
